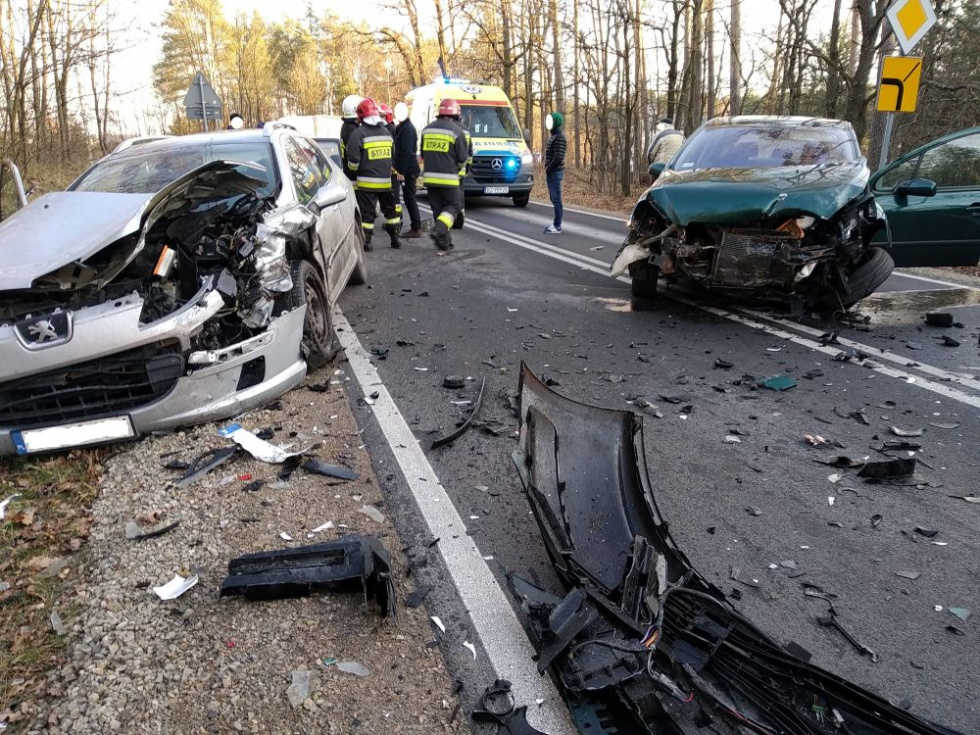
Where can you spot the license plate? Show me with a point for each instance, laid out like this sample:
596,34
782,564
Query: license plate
496,190
72,435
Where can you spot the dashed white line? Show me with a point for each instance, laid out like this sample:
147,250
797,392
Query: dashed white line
493,619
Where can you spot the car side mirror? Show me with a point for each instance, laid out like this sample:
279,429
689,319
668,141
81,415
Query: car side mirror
656,168
526,132
328,196
916,188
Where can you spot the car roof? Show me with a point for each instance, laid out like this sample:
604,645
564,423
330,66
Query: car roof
785,121
220,137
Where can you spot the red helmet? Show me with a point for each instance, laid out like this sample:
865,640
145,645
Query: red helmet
386,113
449,108
366,108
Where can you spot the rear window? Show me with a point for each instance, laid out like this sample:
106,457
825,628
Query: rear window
767,146
146,170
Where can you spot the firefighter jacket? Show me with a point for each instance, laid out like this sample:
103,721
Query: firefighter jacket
445,151
369,157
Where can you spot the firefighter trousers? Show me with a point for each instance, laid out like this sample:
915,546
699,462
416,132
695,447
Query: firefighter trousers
446,201
367,202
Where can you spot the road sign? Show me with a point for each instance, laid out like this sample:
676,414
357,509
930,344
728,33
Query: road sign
201,101
899,86
910,20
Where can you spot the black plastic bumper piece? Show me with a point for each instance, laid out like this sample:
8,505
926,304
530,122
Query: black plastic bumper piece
351,563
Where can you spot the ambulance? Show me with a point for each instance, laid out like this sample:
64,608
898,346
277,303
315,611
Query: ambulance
502,163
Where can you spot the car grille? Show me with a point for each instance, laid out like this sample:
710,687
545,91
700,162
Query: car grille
744,261
484,170
112,384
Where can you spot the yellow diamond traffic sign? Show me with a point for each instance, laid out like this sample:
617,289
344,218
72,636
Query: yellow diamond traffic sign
910,21
899,86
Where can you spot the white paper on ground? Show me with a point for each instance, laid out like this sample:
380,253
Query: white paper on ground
175,587
5,503
258,448
324,527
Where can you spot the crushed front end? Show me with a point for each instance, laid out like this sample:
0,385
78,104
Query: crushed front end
638,640
174,323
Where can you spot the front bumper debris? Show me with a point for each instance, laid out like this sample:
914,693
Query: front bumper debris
639,641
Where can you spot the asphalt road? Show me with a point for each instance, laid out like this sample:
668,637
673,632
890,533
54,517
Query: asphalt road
509,293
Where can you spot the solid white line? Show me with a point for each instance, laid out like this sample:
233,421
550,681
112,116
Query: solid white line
621,218
603,269
493,619
903,274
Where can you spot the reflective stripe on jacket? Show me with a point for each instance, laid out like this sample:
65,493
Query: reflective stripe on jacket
369,157
445,150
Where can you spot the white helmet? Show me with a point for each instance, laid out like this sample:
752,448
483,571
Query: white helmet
348,107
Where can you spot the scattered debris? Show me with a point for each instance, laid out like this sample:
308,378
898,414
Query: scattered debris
319,387
299,691
5,503
206,463
497,706
732,439
285,536
319,467
876,520
450,438
944,425
435,619
373,513
135,532
954,630
323,527
961,612
724,364
454,382
258,448
843,462
351,562
59,627
353,667
830,621
471,648
939,319
415,599
778,382
175,587
815,440
753,511
927,532
829,338
899,431
948,341
908,575
888,468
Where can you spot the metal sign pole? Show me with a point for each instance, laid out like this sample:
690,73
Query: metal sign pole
886,143
204,106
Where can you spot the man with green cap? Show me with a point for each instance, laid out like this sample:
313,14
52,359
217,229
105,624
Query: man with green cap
554,166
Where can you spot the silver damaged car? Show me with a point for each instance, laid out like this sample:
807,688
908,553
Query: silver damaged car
174,282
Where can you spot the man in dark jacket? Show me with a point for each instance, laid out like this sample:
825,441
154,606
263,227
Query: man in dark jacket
445,152
369,157
389,120
406,163
554,167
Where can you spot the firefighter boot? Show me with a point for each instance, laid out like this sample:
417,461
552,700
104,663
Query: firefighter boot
392,231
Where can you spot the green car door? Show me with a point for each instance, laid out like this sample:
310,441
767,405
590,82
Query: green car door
940,228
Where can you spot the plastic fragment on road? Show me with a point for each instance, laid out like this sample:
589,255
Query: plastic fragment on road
323,527
835,478
435,619
353,667
260,449
373,513
5,503
732,439
450,438
415,599
778,382
927,532
206,463
59,627
135,532
319,467
497,706
948,341
753,511
285,536
175,587
724,364
831,500
912,575
353,562
876,520
961,612
939,319
815,440
299,690
830,620
453,382
899,431
471,648
944,424
891,468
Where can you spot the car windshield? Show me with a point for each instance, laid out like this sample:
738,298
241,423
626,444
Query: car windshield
766,146
490,121
148,169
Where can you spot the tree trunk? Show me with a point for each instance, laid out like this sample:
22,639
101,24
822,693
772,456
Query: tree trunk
576,81
695,95
832,101
735,61
710,37
508,60
559,83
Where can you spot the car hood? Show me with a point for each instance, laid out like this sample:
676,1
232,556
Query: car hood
736,195
70,226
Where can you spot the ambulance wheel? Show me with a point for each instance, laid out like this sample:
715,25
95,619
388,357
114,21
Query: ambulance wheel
521,200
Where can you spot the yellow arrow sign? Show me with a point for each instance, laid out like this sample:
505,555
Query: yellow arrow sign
899,86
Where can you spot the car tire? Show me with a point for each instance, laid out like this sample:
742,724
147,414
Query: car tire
358,276
644,280
319,343
521,200
861,282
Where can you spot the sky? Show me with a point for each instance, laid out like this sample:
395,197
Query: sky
132,71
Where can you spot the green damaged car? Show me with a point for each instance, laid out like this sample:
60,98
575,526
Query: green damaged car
773,209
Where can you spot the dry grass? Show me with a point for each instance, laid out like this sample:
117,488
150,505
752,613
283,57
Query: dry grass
48,522
578,191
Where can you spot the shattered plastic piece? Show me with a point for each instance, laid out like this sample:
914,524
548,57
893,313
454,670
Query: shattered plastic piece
888,468
815,440
927,532
939,319
258,448
285,536
498,707
373,513
5,503
967,498
835,478
732,439
135,532
450,438
175,587
319,467
876,520
961,612
472,649
830,621
323,527
909,575
299,691
59,627
435,619
205,463
724,364
944,425
954,630
454,382
349,563
353,667
898,431
778,382
753,511
415,599
949,341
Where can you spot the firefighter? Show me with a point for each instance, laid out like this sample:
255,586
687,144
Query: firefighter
348,113
445,151
369,157
389,117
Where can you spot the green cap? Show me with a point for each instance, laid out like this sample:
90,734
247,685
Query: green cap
557,120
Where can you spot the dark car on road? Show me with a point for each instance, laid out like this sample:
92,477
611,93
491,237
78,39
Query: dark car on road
931,197
767,208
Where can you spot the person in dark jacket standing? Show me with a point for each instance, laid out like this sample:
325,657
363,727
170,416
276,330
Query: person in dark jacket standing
445,152
369,157
389,120
554,167
406,163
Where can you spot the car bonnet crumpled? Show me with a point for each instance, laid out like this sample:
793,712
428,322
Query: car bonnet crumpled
641,642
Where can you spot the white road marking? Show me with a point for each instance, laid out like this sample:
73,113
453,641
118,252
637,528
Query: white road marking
621,219
493,619
600,267
926,279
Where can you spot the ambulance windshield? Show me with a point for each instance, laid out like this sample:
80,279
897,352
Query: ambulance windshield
490,121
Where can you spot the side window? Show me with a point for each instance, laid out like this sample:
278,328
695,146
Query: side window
303,170
953,164
313,152
902,172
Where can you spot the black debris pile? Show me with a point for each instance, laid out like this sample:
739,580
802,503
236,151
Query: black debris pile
636,634
353,562
498,707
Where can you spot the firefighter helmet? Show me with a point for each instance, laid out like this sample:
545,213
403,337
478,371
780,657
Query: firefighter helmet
366,108
449,108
